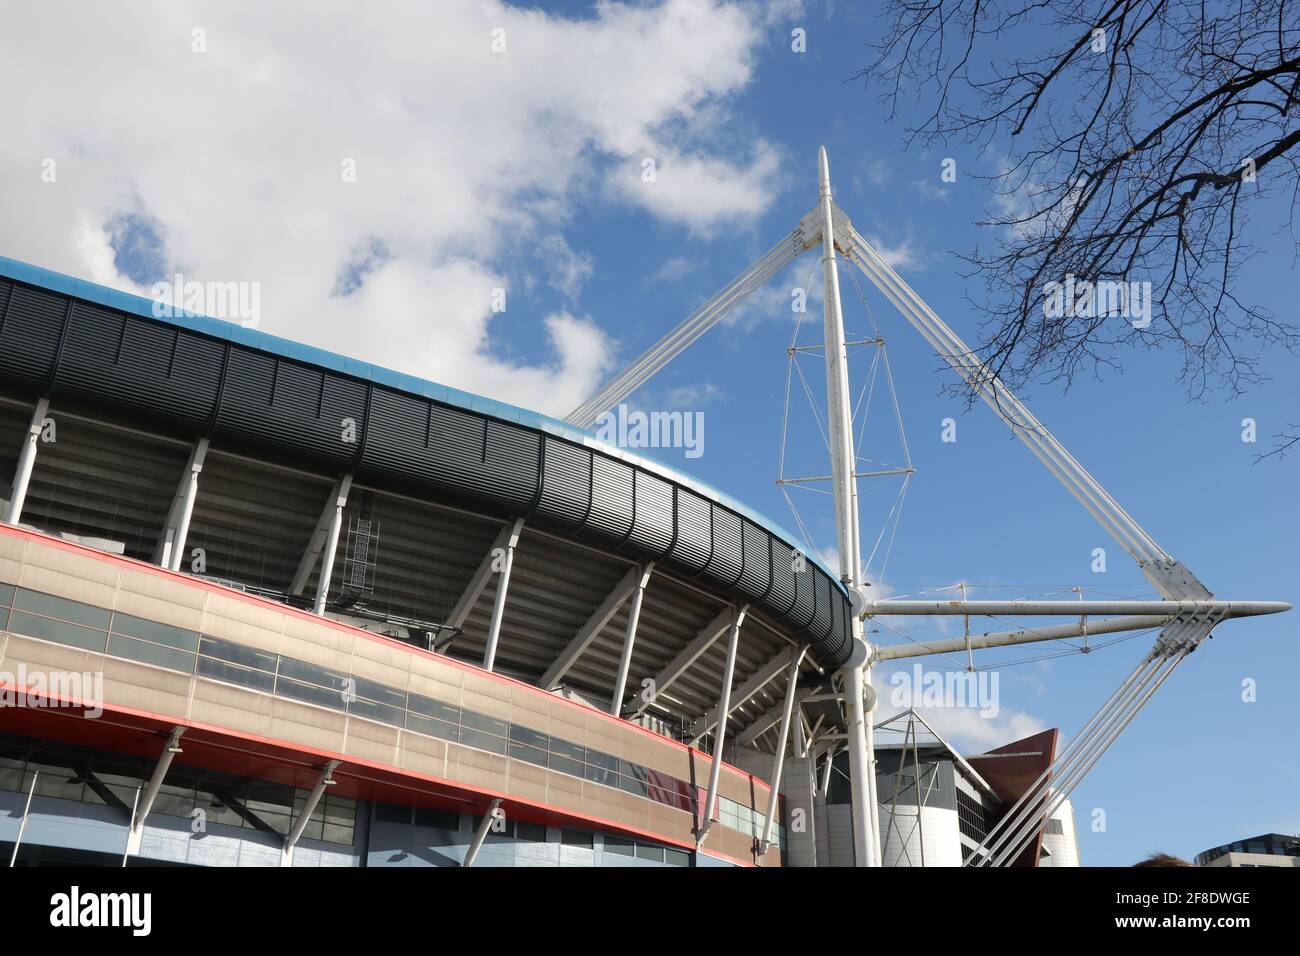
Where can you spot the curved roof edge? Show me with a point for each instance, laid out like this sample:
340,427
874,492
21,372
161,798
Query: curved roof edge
401,381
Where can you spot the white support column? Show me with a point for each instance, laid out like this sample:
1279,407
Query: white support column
684,658
481,833
767,672
499,609
629,642
326,779
778,761
331,545
839,418
320,535
627,587
720,737
174,554
141,812
26,461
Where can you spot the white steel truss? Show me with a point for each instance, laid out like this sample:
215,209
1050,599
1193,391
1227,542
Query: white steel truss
1188,614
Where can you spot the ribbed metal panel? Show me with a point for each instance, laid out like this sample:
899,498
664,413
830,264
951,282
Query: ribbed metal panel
820,628
653,531
566,486
805,604
162,374
694,544
727,563
30,338
781,598
510,472
611,500
757,578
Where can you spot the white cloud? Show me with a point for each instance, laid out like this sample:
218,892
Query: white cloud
467,161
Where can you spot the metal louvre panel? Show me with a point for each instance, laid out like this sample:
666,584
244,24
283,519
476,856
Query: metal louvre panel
727,563
512,464
566,485
6,290
395,442
455,447
262,394
30,338
756,580
158,373
694,545
780,599
805,603
820,628
652,532
611,501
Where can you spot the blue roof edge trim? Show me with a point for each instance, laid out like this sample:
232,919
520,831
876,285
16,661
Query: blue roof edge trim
401,381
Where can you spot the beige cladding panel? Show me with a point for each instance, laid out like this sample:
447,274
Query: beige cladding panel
425,755
220,705
161,599
87,590
368,740
526,781
12,551
140,687
314,727
440,683
476,768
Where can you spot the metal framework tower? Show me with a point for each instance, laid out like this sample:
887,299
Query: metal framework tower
1187,613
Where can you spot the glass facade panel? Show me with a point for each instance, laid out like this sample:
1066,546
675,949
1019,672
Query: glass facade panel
147,653
155,633
45,629
73,612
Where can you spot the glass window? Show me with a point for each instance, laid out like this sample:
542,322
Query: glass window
566,749
565,765
236,654
313,674
392,813
154,632
476,738
489,725
530,754
429,707
619,847
6,595
434,728
47,630
577,838
677,857
72,611
602,776
603,761
147,653
380,693
530,832
437,819
646,852
306,692
523,735
380,712
232,674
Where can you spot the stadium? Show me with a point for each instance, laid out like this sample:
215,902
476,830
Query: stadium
267,605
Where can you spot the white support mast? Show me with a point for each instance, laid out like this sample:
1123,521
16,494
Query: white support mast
839,417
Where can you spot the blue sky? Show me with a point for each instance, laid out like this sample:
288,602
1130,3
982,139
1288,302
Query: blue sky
464,189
